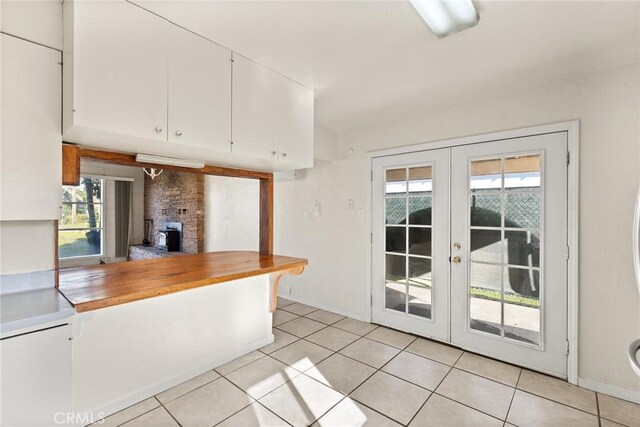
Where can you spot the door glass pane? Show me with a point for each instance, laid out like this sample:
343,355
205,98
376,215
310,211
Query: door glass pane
522,305
395,210
486,209
77,243
504,269
396,282
419,272
522,172
420,210
486,174
485,304
522,210
420,241
420,301
396,239
522,248
420,180
486,246
396,181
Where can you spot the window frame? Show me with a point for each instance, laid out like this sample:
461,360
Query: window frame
101,228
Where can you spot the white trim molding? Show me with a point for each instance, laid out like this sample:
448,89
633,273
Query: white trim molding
572,128
620,393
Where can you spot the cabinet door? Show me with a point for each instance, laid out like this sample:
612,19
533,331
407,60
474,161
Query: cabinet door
30,148
254,116
119,68
295,123
36,378
199,91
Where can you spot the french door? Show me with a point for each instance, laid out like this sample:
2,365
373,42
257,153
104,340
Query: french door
470,247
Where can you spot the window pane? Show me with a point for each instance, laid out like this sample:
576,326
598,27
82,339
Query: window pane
396,210
420,302
522,172
396,181
420,180
420,210
522,248
522,323
486,210
396,239
486,174
485,304
420,241
74,243
419,272
81,215
522,210
486,246
395,287
89,191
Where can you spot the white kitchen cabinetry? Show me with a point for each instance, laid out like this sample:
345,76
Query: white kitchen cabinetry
115,69
135,82
37,378
199,91
272,115
255,131
295,122
33,20
30,149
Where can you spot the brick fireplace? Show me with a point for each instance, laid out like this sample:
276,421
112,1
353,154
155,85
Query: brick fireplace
176,197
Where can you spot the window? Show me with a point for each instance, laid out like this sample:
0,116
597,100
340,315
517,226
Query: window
81,229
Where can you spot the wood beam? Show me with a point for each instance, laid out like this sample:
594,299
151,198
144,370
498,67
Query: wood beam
130,160
70,164
266,216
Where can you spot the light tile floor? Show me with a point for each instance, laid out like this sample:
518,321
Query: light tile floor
326,370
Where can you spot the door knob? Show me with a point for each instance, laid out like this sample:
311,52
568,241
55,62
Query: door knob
274,152
456,260
158,129
284,154
178,132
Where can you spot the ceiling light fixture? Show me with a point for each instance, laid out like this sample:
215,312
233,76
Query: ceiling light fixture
160,160
446,17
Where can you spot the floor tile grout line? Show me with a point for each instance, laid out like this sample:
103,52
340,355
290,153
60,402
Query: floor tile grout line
558,402
169,412
513,396
184,394
137,416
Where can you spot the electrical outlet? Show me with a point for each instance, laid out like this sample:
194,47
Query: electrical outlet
316,209
350,204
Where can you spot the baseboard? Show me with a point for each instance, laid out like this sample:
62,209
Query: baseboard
305,301
620,393
134,398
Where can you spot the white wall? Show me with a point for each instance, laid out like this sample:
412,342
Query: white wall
607,104
26,246
231,214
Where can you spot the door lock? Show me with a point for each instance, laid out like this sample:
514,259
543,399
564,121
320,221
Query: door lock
457,246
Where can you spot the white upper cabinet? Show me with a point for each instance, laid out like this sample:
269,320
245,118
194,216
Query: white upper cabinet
39,21
30,144
255,127
295,123
272,115
135,82
115,69
199,91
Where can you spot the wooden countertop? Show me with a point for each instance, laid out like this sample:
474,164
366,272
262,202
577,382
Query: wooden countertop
99,286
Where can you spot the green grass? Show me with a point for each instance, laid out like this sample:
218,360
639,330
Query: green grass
510,298
74,243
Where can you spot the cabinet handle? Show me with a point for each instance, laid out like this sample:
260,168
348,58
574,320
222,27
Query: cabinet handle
284,154
274,152
158,129
179,132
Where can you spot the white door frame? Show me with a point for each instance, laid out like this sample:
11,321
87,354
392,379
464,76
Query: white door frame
573,175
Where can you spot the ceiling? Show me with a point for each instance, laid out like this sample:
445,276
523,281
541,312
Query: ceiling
372,61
